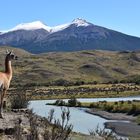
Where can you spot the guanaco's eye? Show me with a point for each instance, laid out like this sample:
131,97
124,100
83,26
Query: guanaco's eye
12,56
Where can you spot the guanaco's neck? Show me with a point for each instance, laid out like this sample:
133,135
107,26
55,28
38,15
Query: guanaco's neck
8,67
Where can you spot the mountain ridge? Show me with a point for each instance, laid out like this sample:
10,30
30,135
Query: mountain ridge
40,25
37,37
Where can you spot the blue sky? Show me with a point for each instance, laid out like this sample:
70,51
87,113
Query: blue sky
120,15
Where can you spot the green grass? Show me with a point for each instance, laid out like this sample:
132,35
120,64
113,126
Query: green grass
87,66
138,119
86,95
82,91
129,107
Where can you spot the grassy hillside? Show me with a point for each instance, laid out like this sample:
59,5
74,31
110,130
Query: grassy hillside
87,66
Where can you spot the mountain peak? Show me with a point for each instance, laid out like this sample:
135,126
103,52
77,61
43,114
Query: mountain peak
80,22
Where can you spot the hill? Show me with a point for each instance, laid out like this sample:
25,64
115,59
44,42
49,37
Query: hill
86,66
77,35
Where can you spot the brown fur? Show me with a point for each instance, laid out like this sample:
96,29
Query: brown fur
5,79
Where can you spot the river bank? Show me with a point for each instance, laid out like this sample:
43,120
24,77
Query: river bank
111,116
128,128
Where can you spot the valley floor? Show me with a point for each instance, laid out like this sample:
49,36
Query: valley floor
81,91
87,91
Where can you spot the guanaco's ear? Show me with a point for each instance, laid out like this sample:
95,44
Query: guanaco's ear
7,51
11,52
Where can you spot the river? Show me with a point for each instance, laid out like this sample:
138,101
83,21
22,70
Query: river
81,120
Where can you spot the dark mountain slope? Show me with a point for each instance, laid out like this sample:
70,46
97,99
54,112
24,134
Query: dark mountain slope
76,36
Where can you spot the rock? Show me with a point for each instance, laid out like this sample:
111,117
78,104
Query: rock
25,131
9,131
7,125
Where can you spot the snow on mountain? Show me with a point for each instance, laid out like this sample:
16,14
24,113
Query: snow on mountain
59,27
30,26
39,25
80,22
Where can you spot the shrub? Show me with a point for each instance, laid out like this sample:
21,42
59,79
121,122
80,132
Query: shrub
52,129
121,102
103,134
109,108
19,101
79,104
91,105
60,129
62,82
115,81
137,111
60,102
129,102
57,102
78,83
115,103
95,82
72,102
132,110
18,130
34,132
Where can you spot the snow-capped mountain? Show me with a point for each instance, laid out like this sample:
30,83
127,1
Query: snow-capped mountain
79,34
39,25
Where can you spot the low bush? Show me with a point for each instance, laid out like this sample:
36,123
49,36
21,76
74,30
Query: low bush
60,103
72,102
102,133
18,101
52,128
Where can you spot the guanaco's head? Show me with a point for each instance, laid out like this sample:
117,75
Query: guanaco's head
10,55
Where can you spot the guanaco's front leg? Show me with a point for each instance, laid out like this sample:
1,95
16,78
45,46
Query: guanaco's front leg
1,102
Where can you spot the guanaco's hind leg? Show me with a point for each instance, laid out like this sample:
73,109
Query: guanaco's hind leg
1,104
